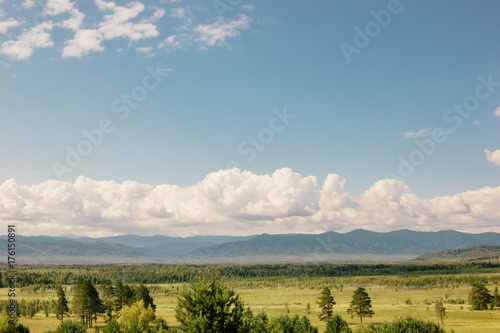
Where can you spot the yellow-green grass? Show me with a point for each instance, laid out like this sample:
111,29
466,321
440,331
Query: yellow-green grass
388,304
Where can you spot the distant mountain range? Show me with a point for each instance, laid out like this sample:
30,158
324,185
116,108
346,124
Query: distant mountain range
357,245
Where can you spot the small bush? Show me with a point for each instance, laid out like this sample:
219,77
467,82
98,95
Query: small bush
337,325
286,324
407,325
69,327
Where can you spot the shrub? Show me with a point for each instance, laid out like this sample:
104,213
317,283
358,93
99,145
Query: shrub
7,327
337,325
407,325
69,327
285,324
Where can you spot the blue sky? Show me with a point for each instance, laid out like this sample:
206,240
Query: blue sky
365,90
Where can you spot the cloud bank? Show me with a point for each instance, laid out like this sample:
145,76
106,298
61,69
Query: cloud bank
137,23
239,203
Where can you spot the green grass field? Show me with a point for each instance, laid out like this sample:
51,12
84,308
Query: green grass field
292,295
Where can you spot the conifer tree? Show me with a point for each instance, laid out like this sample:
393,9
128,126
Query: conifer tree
61,306
87,302
108,293
209,306
326,303
141,293
479,297
361,304
123,295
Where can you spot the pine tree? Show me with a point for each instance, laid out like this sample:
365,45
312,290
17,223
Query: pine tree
61,306
31,310
108,292
480,297
209,306
440,311
87,302
123,295
326,303
496,298
360,304
141,293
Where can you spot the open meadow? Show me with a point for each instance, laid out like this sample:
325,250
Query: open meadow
392,297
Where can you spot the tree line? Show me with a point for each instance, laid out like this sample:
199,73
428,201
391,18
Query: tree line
47,275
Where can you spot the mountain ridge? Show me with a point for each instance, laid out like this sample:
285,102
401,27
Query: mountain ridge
401,244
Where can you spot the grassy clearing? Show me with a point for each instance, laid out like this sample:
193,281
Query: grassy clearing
260,295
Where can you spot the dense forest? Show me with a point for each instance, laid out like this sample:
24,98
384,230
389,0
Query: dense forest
49,275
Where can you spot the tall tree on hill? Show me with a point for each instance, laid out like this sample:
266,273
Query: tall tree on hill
479,297
61,306
360,304
325,303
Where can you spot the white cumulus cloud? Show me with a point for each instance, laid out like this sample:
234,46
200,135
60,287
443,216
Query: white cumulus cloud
57,7
493,157
22,48
216,34
423,132
5,25
85,40
239,202
133,21
178,13
497,112
28,4
157,15
119,24
173,43
74,22
147,50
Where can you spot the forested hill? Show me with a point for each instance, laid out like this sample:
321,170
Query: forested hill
474,253
357,245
